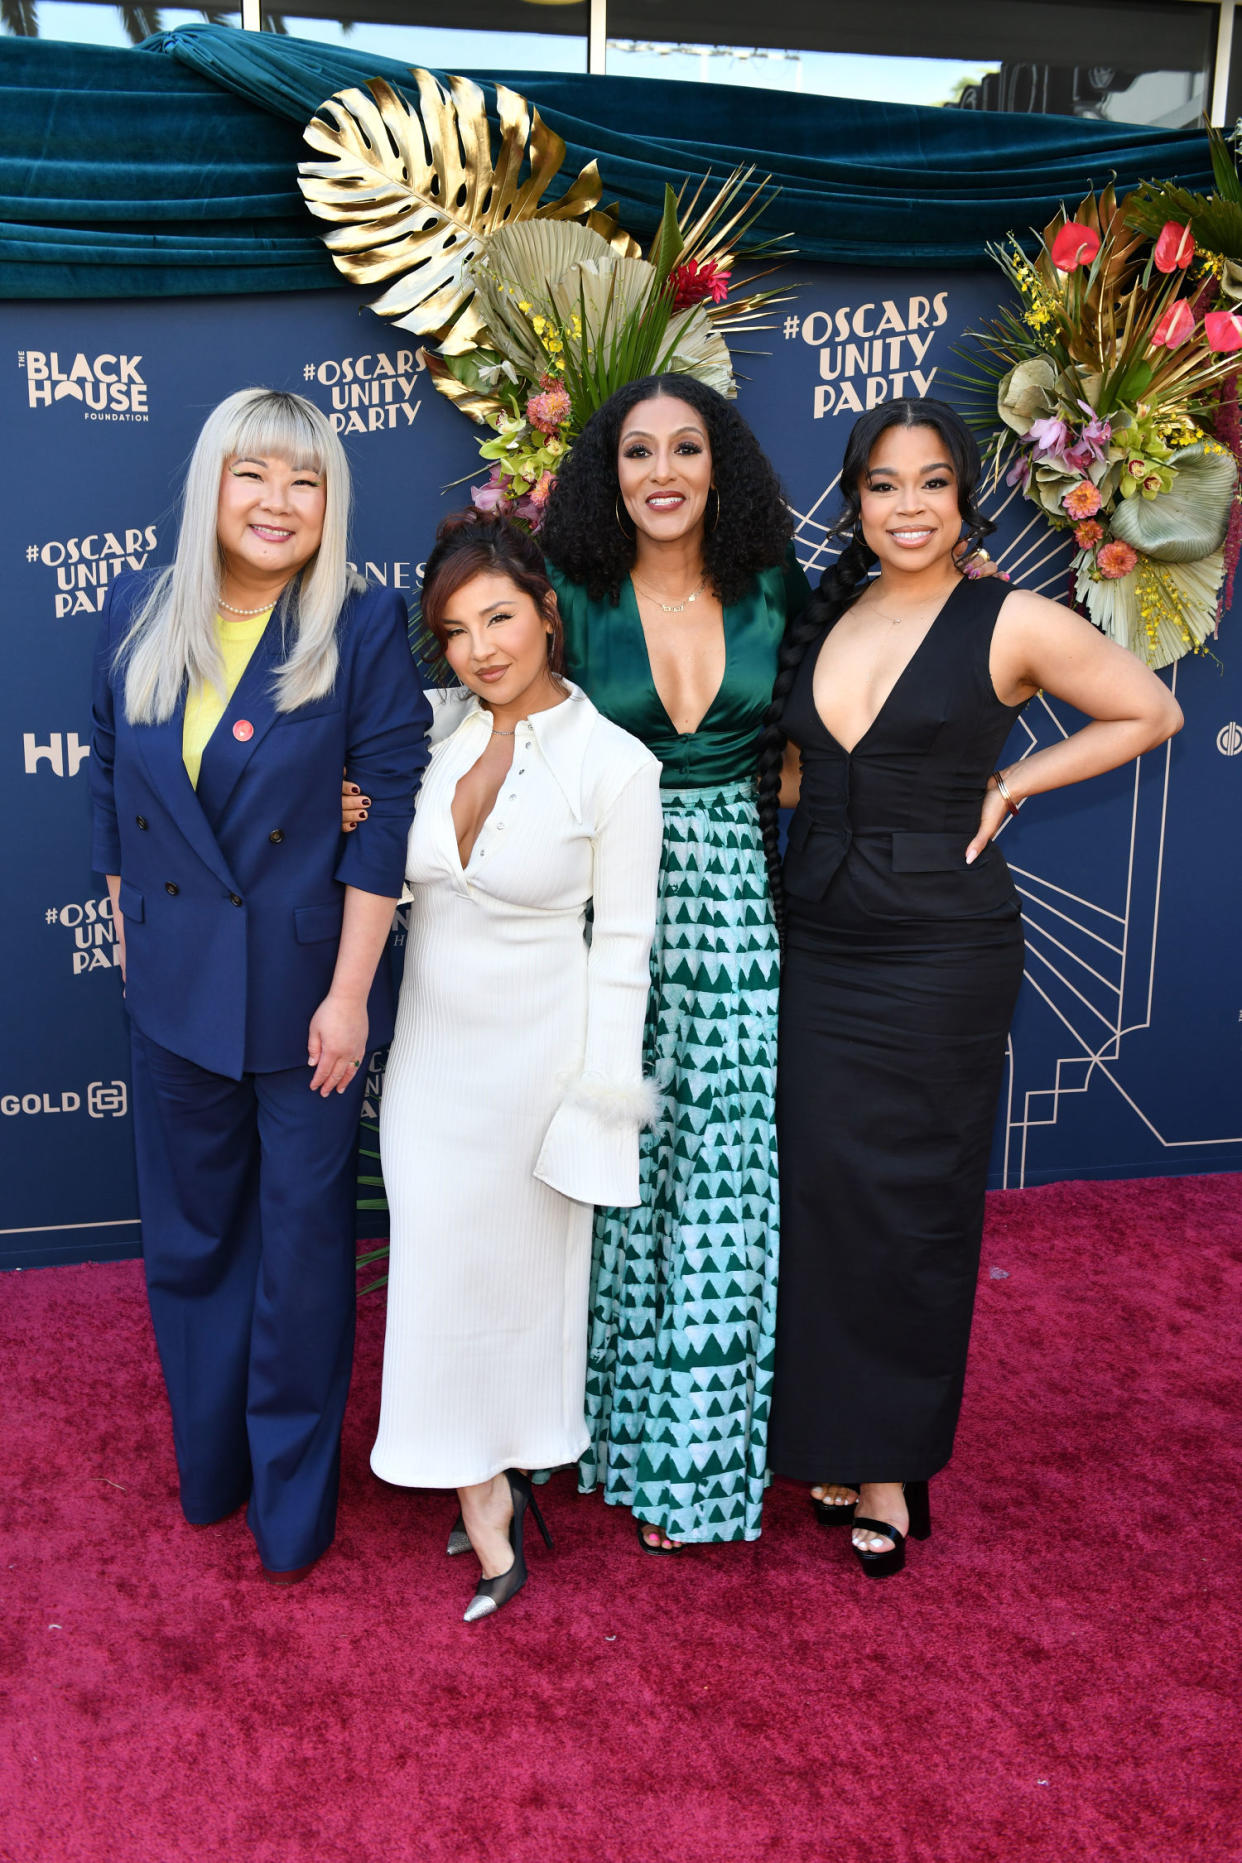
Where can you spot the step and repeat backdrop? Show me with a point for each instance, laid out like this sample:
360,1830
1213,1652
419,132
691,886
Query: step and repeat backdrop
1126,1057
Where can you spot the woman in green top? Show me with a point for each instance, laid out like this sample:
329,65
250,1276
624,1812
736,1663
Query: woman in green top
669,542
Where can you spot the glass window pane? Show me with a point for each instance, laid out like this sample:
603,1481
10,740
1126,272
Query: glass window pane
1019,55
88,24
452,35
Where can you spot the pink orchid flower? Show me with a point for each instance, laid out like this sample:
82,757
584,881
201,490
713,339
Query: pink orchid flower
1092,443
1050,437
491,496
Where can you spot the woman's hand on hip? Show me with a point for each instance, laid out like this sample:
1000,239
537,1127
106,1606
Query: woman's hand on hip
976,563
991,816
336,1046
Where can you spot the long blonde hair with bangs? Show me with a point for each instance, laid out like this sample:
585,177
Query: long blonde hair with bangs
171,645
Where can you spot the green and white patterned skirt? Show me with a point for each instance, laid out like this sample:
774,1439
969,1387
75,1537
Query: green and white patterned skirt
683,1288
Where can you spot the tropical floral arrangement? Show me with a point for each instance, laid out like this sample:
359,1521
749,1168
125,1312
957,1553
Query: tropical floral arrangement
534,310
1115,384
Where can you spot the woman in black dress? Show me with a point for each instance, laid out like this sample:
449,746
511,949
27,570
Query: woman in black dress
895,695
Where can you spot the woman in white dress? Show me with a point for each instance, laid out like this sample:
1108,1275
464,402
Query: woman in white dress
514,1092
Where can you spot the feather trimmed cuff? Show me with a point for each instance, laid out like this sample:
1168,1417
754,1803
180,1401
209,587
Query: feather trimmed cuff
615,1102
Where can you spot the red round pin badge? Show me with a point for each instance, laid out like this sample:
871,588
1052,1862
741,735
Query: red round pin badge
243,730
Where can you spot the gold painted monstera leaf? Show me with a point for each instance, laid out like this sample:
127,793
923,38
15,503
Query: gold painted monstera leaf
412,193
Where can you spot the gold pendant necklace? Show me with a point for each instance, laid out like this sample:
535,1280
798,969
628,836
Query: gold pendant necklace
897,620
672,608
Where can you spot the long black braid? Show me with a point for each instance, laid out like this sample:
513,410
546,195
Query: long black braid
837,589
842,582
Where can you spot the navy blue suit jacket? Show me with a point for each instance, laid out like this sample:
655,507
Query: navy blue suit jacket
233,894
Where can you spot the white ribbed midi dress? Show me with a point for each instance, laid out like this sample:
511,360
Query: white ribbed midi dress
513,1094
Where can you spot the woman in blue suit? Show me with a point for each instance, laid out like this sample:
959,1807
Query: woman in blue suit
230,691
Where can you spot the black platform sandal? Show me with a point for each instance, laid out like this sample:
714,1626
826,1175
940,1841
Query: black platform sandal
884,1564
834,1513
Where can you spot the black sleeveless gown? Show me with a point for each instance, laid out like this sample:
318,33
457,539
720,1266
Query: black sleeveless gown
900,977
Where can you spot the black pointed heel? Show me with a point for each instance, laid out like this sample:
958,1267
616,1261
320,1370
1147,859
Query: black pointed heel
834,1513
884,1564
491,1593
458,1539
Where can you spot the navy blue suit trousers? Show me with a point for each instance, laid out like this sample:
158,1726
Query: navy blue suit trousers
247,1191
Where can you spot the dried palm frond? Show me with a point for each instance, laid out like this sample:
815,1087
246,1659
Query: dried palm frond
609,319
721,224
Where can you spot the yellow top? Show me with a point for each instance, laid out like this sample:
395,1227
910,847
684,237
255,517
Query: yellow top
205,708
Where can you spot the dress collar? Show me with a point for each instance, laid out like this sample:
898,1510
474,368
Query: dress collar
560,733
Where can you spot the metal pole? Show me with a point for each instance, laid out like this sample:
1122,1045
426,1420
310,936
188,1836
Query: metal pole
597,38
1224,58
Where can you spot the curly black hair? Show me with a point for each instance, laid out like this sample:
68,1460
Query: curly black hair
583,534
843,580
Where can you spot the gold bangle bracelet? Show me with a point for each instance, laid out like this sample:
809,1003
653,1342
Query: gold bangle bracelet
1002,790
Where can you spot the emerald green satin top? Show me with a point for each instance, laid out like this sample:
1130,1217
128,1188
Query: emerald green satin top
606,654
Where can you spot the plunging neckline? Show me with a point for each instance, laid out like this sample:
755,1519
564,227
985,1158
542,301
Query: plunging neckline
463,861
887,700
464,865
716,695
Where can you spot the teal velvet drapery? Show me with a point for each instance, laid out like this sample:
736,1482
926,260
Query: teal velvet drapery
171,170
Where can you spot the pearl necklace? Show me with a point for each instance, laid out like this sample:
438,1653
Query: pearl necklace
246,613
672,608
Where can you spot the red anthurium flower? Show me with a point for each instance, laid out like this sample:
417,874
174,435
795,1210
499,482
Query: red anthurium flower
1074,245
1176,327
1175,247
1223,330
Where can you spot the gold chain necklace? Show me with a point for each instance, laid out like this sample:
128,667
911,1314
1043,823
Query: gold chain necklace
895,620
672,608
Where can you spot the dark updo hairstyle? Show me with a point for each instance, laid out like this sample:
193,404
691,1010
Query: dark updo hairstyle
842,581
477,543
588,533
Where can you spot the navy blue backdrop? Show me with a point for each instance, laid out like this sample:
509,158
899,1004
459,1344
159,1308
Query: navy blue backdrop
1126,1048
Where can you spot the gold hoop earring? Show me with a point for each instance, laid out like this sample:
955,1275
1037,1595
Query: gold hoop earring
715,521
616,505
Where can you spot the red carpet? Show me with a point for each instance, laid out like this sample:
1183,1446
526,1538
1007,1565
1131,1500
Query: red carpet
1052,1678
